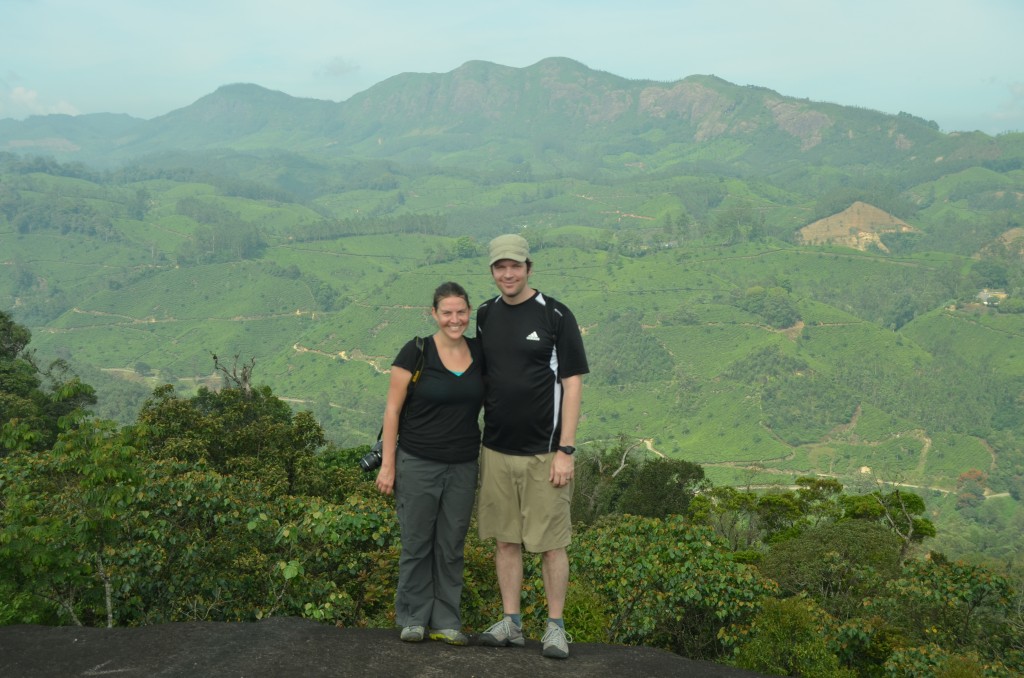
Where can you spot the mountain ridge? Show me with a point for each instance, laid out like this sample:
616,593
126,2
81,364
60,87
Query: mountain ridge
557,98
303,233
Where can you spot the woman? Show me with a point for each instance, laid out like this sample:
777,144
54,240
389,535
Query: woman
429,460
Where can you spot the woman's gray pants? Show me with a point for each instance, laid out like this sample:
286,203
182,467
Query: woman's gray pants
435,502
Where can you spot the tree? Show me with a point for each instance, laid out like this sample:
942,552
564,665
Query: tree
899,312
1011,305
668,584
819,499
790,638
835,564
899,511
32,400
989,273
732,514
96,532
64,517
135,526
244,430
778,512
597,488
773,304
138,204
659,488
621,479
466,248
970,488
955,605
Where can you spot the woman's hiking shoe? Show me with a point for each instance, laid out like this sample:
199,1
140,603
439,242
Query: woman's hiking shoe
556,642
502,634
413,634
450,636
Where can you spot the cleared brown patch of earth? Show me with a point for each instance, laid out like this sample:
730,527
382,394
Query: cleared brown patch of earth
858,226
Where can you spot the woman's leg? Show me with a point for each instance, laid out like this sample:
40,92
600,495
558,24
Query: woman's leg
455,511
418,486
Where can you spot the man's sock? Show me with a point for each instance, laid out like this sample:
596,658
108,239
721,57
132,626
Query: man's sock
517,619
559,622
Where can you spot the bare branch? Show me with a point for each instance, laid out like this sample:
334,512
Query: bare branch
625,455
242,381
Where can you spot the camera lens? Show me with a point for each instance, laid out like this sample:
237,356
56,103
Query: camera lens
373,459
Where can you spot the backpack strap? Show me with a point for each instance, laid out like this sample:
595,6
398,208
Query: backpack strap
420,346
481,314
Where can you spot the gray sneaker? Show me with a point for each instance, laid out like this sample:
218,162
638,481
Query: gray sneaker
413,634
450,636
502,634
556,642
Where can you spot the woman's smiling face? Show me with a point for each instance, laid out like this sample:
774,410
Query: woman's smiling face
452,316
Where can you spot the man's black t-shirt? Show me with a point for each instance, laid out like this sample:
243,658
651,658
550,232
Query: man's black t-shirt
529,348
440,420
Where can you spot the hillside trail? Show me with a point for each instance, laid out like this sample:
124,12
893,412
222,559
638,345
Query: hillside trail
355,355
869,476
866,472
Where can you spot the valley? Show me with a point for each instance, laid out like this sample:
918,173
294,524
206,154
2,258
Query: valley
768,287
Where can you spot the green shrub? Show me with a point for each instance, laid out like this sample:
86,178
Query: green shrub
585,612
836,564
790,638
667,584
931,661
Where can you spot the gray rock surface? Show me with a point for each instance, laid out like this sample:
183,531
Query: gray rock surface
288,646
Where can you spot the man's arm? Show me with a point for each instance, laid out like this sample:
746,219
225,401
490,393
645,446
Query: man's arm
563,465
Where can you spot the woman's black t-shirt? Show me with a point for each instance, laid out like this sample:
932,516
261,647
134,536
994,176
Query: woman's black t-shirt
440,420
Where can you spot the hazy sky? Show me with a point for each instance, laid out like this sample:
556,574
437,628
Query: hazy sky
957,62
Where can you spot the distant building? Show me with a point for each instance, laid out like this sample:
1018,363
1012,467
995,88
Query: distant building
991,297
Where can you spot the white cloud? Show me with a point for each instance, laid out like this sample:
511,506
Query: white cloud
339,67
20,102
26,98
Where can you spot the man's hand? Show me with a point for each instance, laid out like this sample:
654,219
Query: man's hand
563,467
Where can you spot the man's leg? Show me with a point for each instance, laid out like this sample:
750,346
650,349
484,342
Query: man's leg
508,563
555,568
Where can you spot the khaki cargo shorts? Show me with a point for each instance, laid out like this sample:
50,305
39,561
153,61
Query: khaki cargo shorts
518,504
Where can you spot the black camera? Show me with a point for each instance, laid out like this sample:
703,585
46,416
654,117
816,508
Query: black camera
373,458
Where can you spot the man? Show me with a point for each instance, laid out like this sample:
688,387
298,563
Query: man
534,366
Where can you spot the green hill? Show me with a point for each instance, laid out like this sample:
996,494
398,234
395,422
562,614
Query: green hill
308,235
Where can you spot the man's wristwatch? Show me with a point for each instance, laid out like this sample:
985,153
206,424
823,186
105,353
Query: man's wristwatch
567,449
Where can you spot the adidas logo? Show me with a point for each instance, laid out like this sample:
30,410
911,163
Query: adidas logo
532,336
